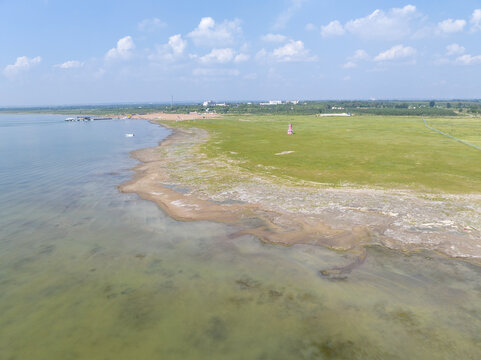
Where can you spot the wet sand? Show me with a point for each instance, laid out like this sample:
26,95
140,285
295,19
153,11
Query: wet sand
280,213
150,182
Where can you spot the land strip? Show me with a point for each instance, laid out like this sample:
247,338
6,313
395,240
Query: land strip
190,185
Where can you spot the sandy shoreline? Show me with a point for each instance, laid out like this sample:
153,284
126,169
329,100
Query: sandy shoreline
176,117
189,187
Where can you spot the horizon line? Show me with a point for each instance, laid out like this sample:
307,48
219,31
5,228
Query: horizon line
197,102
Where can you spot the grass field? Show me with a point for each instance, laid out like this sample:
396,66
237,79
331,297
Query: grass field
391,152
467,129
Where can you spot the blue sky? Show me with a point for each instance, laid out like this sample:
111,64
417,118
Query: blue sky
76,52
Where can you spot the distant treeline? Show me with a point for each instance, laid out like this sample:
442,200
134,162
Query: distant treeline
416,108
405,112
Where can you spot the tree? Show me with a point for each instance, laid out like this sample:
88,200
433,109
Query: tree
448,105
432,103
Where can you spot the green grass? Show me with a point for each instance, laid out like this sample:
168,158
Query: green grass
391,152
467,129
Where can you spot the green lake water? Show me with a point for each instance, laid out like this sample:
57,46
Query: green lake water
89,273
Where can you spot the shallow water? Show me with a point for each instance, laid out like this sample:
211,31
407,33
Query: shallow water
89,273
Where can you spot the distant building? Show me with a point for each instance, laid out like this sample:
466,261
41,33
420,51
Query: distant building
294,102
271,102
222,104
327,115
208,103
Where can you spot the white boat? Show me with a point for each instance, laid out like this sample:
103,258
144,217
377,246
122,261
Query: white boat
129,135
70,119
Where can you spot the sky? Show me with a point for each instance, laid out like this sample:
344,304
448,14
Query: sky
57,52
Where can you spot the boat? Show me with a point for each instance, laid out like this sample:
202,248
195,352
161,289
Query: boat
70,119
129,135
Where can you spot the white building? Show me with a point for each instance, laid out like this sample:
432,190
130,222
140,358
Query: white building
272,102
208,103
335,114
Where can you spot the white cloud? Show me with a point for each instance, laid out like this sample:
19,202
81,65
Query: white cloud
445,27
455,49
359,54
241,58
349,65
245,47
150,25
287,14
405,11
177,44
262,54
222,56
209,33
123,50
396,52
310,27
215,72
71,64
218,56
173,50
22,64
450,26
468,59
334,28
274,38
394,24
292,51
476,20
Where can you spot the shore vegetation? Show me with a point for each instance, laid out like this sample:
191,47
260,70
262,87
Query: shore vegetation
381,151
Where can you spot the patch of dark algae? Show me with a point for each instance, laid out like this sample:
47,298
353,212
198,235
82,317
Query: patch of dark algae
337,349
341,273
216,329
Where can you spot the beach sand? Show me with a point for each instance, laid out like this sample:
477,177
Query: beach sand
176,117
